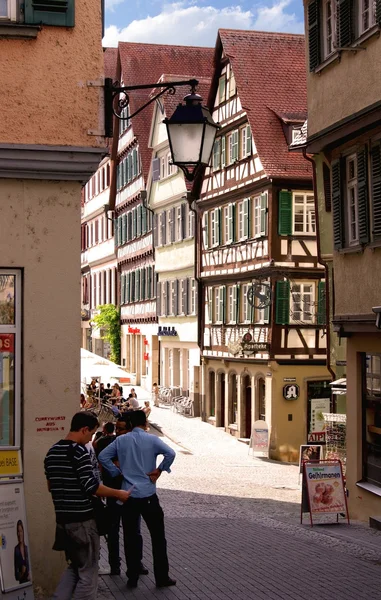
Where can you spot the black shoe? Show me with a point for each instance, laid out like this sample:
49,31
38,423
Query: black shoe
132,583
115,572
143,569
166,583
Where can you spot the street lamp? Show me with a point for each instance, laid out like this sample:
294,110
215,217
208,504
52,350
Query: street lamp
191,129
191,133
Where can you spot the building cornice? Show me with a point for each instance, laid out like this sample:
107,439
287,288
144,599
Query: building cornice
62,163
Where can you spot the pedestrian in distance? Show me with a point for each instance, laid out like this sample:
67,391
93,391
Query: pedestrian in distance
72,485
136,454
155,393
123,426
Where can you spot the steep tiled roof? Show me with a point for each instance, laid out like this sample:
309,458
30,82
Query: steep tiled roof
146,63
270,73
110,57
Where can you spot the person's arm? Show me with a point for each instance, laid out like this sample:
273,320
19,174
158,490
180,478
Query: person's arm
106,459
89,483
169,457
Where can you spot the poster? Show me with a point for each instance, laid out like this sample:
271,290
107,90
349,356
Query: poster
309,452
325,487
15,566
259,441
318,407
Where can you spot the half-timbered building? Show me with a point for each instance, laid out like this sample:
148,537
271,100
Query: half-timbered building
263,292
140,64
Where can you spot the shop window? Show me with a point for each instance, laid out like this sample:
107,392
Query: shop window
372,418
10,335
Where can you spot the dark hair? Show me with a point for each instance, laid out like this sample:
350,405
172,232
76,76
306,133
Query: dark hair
84,419
113,401
138,418
126,418
109,427
19,522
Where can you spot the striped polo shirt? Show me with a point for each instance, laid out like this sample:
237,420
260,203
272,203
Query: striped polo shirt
72,483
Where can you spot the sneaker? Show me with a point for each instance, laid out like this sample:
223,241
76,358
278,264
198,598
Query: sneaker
143,569
132,583
166,583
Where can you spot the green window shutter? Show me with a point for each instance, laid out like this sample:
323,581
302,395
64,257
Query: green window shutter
362,195
119,232
132,286
337,207
223,298
206,230
144,220
223,151
314,34
58,13
217,154
139,220
376,190
143,277
378,12
128,288
137,284
122,287
266,314
134,223
345,22
124,229
149,282
322,313
237,301
285,213
220,225
118,185
282,305
248,140
235,145
128,161
263,214
134,162
123,174
247,217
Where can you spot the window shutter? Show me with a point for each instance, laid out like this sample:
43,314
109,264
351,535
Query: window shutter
122,287
163,227
183,227
155,230
217,154
285,213
158,300
321,313
247,217
205,230
156,169
175,298
137,279
376,190
219,225
337,208
144,219
223,151
362,195
139,220
327,187
282,302
231,222
345,22
124,228
378,12
58,13
314,34
144,288
166,299
223,303
128,168
173,224
237,302
134,223
248,140
127,288
263,214
119,231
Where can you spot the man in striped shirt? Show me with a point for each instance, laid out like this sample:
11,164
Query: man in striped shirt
72,483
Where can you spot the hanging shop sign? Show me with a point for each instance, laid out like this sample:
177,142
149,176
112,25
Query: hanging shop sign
323,486
169,331
291,391
259,439
10,463
15,564
248,346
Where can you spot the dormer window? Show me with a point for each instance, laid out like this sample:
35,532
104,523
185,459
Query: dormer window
296,131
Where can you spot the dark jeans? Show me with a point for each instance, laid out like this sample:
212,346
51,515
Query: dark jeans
151,511
113,535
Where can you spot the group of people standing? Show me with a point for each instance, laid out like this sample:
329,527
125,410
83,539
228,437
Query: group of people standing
127,458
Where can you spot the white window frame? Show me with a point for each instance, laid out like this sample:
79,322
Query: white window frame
11,11
218,305
192,294
366,12
178,228
233,143
232,84
222,97
245,136
226,224
329,27
351,201
309,217
241,220
231,300
163,167
15,329
300,289
189,233
257,211
245,309
214,224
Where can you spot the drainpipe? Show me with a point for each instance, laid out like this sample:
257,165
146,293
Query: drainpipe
325,265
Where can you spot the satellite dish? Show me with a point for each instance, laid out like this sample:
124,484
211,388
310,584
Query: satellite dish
259,295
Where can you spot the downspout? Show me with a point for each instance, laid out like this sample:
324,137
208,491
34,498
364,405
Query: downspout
325,265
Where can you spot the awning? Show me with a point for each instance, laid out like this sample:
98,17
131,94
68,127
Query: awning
93,365
339,387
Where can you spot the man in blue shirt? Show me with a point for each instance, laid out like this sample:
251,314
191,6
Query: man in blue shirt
136,453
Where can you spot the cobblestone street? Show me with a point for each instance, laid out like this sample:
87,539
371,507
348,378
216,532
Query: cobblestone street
233,529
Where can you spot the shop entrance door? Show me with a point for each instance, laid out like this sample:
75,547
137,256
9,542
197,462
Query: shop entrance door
222,400
247,407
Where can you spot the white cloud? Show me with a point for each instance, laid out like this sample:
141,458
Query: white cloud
187,24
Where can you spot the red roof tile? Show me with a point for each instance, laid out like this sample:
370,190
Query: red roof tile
270,73
110,57
146,63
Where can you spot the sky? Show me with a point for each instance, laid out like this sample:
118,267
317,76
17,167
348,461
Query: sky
195,22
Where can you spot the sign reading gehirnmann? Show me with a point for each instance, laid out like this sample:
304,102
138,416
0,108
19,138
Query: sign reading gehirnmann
325,488
15,566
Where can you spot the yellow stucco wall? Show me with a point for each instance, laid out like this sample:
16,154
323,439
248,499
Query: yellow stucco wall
330,98
44,96
349,270
40,231
362,503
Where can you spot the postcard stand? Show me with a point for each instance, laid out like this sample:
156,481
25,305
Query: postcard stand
323,489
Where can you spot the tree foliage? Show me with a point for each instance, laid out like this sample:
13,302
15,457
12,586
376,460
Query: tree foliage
108,320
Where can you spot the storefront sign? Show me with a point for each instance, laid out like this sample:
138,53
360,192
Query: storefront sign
15,564
259,440
341,363
7,343
325,488
50,424
167,331
291,392
316,437
289,379
318,407
10,463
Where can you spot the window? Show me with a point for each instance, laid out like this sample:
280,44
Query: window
295,132
245,308
226,225
219,304
216,163
232,293
329,27
215,227
222,89
304,214
173,297
352,200
372,418
367,15
245,141
191,220
260,215
182,299
232,84
233,146
192,297
302,303
241,218
179,224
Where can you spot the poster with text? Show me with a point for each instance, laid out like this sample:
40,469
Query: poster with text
15,566
325,487
259,441
318,407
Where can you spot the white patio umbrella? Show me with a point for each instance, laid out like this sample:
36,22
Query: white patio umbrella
93,365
